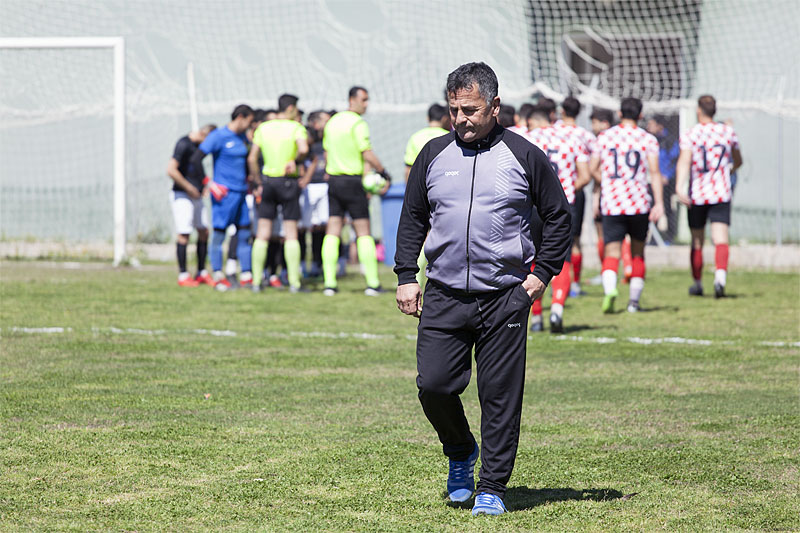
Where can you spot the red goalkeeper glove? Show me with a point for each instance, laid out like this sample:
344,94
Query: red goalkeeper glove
217,191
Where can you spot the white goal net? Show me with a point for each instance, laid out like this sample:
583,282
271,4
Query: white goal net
56,106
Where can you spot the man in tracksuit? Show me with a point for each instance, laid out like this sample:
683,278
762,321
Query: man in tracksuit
475,189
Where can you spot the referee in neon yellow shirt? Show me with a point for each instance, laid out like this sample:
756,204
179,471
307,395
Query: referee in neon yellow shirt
280,142
347,146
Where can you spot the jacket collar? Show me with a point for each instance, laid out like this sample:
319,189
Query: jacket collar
494,136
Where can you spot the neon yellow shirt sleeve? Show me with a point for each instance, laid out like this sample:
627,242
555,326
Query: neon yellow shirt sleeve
361,136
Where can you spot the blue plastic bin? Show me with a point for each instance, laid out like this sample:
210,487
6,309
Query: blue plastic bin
391,206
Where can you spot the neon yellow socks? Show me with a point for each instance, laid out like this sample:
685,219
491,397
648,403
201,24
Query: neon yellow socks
291,253
259,257
330,259
368,259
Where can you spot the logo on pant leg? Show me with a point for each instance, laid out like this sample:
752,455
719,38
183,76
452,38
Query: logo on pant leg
515,325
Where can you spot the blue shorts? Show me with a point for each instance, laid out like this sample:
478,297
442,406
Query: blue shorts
232,209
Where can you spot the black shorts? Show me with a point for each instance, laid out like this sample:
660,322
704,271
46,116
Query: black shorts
281,191
616,227
577,214
346,194
698,214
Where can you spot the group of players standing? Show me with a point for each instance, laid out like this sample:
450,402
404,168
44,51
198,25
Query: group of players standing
618,159
271,155
281,162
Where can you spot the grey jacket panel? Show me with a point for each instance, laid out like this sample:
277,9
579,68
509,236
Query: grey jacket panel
478,200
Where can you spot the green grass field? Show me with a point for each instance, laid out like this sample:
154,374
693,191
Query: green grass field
299,412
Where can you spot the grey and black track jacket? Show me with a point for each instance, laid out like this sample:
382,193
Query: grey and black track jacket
478,199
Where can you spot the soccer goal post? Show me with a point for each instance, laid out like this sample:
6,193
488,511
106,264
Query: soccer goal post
117,45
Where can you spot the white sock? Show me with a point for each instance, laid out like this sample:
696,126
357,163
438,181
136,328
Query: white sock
609,278
230,267
183,275
218,275
536,319
721,276
557,309
246,277
637,285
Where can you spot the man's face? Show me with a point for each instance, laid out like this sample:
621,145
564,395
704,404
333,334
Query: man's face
599,126
654,127
322,119
242,123
471,116
359,102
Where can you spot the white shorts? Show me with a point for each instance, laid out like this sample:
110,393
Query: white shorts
314,205
188,213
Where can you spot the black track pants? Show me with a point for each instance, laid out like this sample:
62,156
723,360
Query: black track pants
496,324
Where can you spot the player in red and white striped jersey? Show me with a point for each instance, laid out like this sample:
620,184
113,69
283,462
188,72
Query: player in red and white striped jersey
569,159
623,158
567,126
709,153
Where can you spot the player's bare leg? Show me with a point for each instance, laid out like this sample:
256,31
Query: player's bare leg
637,275
577,267
719,236
696,258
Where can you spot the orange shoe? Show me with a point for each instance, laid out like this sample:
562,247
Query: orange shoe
204,279
187,282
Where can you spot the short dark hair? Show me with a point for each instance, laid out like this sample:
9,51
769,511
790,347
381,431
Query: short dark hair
285,101
436,112
469,74
241,110
548,105
354,91
208,128
707,105
525,110
540,111
603,115
259,115
631,108
571,106
506,115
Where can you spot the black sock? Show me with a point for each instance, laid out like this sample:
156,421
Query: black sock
272,256
202,252
232,245
182,257
317,236
301,237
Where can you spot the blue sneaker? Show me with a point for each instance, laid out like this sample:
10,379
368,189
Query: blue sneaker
486,503
461,479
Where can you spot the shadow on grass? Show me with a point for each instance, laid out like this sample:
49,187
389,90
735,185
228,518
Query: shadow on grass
574,328
521,498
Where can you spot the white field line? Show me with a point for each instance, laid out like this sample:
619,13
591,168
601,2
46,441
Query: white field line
374,336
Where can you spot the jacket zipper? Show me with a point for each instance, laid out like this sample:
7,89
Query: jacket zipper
469,213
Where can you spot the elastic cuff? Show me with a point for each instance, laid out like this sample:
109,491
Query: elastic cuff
405,277
542,274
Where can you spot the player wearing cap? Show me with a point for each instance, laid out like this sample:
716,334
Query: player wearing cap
187,205
228,145
280,142
569,158
347,148
709,154
623,157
